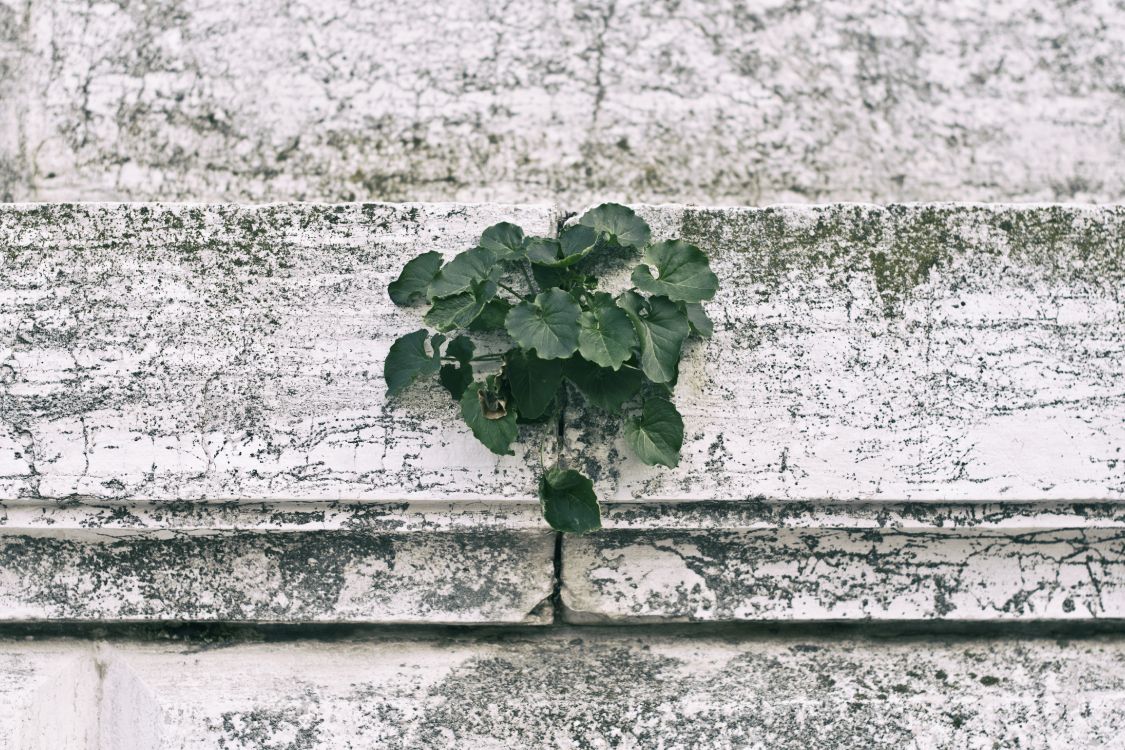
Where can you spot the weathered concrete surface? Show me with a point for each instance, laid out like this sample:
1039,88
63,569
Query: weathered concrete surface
171,352
593,689
701,101
921,352
710,562
295,562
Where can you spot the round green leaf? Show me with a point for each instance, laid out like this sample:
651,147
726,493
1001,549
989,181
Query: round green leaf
604,388
406,360
658,434
568,501
505,240
461,349
574,244
661,328
676,270
605,334
416,276
459,274
495,433
533,381
549,325
617,224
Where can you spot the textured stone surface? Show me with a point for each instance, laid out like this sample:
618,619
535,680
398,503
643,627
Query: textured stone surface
924,352
698,100
876,562
170,352
602,689
295,562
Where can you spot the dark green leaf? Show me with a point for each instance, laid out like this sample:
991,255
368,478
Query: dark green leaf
605,336
492,316
547,277
543,250
505,240
462,309
678,271
533,381
661,328
456,378
658,434
618,224
701,325
569,503
461,349
416,276
604,388
459,274
406,360
549,325
491,423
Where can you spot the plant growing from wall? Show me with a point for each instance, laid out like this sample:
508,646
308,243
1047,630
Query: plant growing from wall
549,332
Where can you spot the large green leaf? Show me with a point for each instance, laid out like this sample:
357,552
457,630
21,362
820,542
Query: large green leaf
505,240
458,311
676,270
605,336
533,381
617,224
459,274
701,325
604,388
492,316
406,360
568,501
657,435
491,423
415,279
549,325
661,328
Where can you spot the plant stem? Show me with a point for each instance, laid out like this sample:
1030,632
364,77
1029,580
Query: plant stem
507,288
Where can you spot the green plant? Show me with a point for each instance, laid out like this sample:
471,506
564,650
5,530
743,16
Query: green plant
536,301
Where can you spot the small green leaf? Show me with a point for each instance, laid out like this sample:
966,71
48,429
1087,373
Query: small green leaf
604,388
456,378
701,325
505,240
605,336
658,434
492,316
568,501
661,328
491,423
459,274
406,360
549,325
617,224
461,349
677,270
416,276
547,277
533,381
462,309
574,244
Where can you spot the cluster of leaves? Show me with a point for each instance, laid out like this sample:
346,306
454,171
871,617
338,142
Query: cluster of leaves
553,327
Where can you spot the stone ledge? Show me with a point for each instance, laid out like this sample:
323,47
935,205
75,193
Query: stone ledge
304,563
567,688
723,562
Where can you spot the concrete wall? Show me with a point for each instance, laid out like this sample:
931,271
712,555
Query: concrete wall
686,101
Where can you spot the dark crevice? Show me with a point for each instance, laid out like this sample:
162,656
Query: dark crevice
221,634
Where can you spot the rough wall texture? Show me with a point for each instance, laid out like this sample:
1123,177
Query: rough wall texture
221,352
920,352
571,689
684,100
